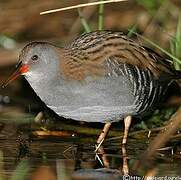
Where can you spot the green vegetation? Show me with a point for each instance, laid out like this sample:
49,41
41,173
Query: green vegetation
86,25
151,5
101,17
21,171
175,46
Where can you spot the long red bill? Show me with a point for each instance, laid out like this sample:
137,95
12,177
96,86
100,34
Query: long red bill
20,70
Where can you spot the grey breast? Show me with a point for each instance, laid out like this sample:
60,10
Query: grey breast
94,100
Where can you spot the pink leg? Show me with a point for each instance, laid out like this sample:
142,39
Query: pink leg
103,134
127,123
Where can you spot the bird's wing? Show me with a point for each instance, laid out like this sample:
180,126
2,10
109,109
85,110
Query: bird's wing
88,55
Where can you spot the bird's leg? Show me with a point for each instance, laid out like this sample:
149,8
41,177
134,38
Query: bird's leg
99,148
102,136
127,123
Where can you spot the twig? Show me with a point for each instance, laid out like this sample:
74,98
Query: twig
79,6
160,140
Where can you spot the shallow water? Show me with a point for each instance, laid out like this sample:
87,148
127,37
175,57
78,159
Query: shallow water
72,153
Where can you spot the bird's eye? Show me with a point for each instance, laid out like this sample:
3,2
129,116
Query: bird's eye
34,57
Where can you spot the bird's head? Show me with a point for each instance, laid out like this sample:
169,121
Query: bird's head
38,61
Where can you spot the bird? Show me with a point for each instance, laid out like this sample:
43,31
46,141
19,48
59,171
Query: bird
101,76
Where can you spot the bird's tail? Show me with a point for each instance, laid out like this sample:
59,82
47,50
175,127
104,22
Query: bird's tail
177,75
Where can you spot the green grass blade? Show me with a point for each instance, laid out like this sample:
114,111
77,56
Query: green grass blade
178,42
84,22
101,17
132,31
175,45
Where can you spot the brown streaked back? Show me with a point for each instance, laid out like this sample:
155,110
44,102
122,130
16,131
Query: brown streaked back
87,55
